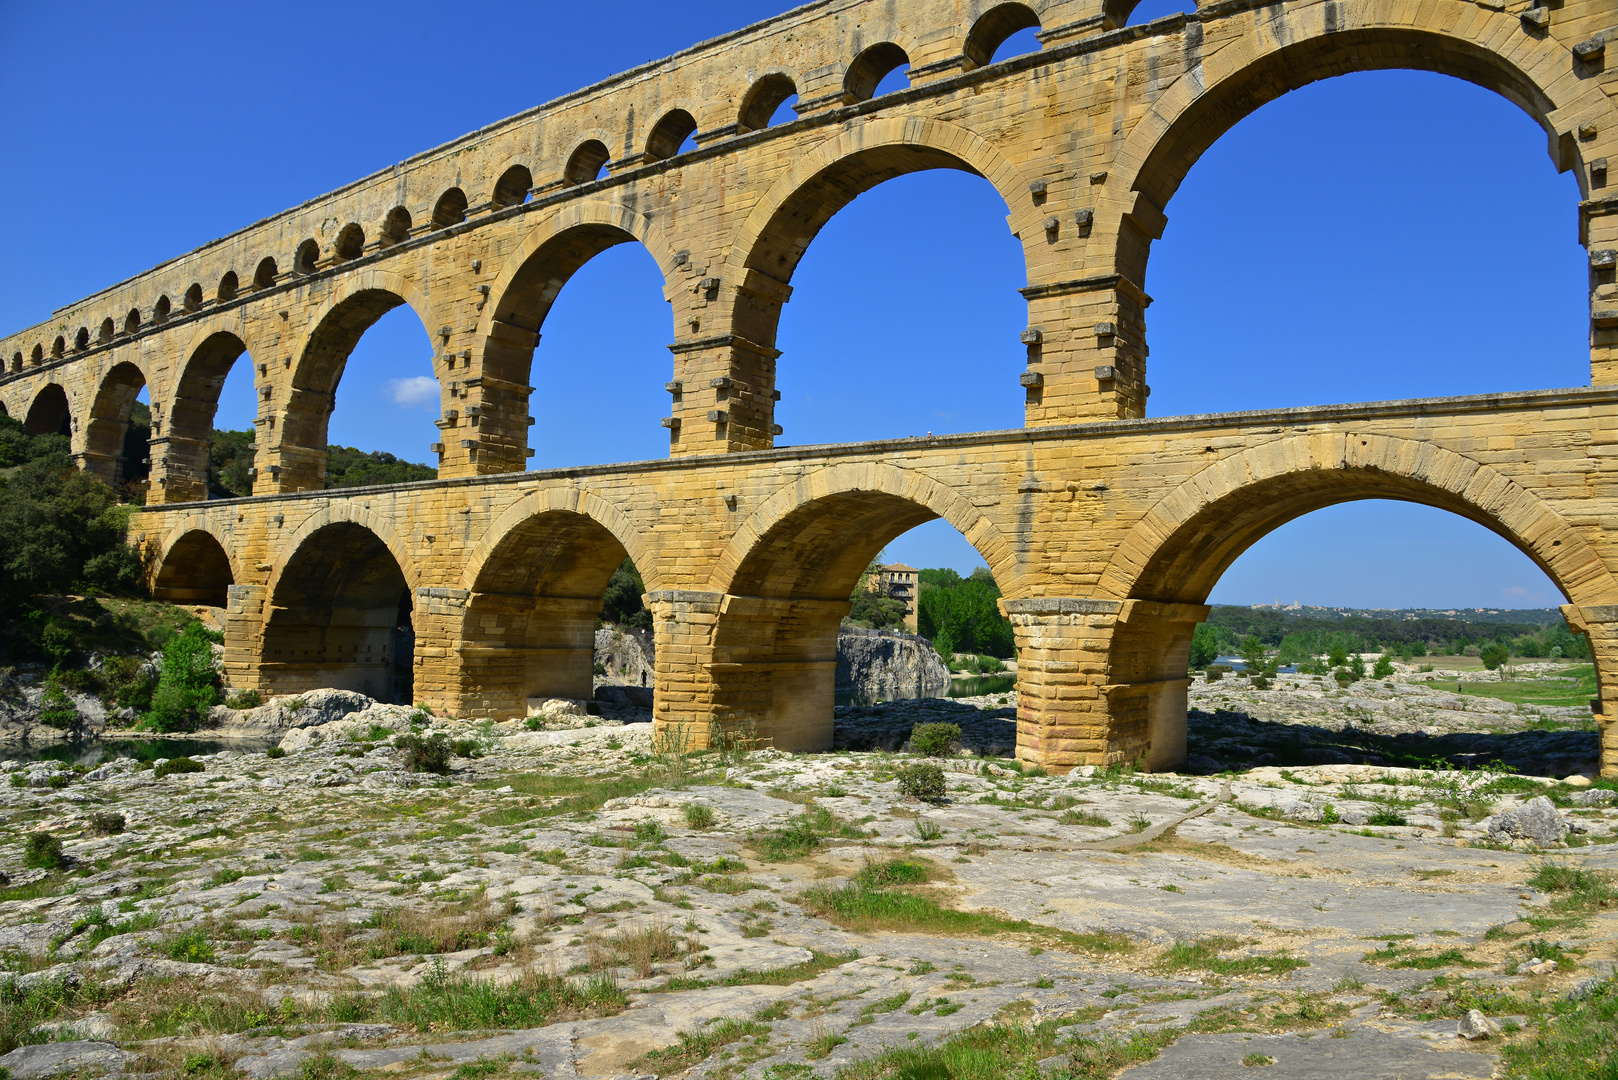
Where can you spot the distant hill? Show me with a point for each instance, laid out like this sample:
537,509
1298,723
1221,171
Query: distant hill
1405,629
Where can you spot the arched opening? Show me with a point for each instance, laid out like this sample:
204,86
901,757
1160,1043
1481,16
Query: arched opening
376,346
192,299
963,318
117,439
775,648
49,414
340,616
450,209
132,321
81,340
567,287
307,255
671,135
38,355
350,242
586,163
59,346
264,276
199,461
160,310
530,623
992,36
16,361
512,187
395,228
107,331
1401,327
871,69
196,571
763,103
227,286
1150,651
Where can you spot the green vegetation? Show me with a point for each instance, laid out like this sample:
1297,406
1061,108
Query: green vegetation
699,815
1581,1040
43,852
922,781
230,462
1203,955
177,765
798,838
694,1046
621,605
1578,889
426,753
871,606
189,685
961,614
1551,690
934,740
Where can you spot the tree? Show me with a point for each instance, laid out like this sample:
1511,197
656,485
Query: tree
1253,653
621,605
1384,667
189,685
62,528
1356,667
1494,654
1204,646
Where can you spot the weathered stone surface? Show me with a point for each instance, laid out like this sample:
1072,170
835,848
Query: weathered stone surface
1537,822
1474,1025
886,664
52,1059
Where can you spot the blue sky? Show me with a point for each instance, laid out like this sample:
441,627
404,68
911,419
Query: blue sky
1381,235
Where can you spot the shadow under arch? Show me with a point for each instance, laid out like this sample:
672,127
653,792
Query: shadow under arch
528,284
49,413
534,590
193,568
181,445
353,307
786,577
339,613
1208,101
778,232
1170,561
103,452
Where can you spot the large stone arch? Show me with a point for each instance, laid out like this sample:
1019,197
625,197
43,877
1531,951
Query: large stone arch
193,564
1159,578
103,449
50,412
339,604
184,417
525,621
353,306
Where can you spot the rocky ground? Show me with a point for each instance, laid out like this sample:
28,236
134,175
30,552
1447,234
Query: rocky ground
566,901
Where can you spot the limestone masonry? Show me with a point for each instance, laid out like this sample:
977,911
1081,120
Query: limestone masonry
1106,530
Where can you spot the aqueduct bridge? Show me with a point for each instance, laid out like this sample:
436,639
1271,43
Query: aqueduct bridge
1106,530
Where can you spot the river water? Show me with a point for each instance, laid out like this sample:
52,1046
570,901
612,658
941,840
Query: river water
93,752
964,686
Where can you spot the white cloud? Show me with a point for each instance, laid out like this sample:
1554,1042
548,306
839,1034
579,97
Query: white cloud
410,392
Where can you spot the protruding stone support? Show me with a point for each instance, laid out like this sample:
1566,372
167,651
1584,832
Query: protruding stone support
683,624
244,635
723,396
1599,625
1086,344
1101,681
179,471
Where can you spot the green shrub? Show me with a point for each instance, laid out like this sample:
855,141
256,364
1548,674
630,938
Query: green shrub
698,815
275,752
1217,671
129,682
189,685
467,748
1386,817
1384,667
191,947
923,781
244,699
429,753
106,823
43,852
934,740
177,765
57,709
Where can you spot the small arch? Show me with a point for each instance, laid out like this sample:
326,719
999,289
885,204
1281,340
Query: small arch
193,297
194,570
108,329
512,187
669,134
116,439
450,209
81,340
265,275
395,227
307,255
228,286
160,310
58,347
585,163
993,28
870,67
49,414
350,242
38,355
132,321
762,100
16,361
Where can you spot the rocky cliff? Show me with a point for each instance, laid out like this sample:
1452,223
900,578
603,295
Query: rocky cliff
885,663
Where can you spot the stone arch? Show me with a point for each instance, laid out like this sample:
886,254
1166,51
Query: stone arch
873,64
350,242
395,228
181,472
1160,576
669,133
829,176
103,450
450,209
511,189
766,94
264,277
356,302
1225,86
49,413
991,29
533,588
784,580
340,601
194,566
534,275
586,161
